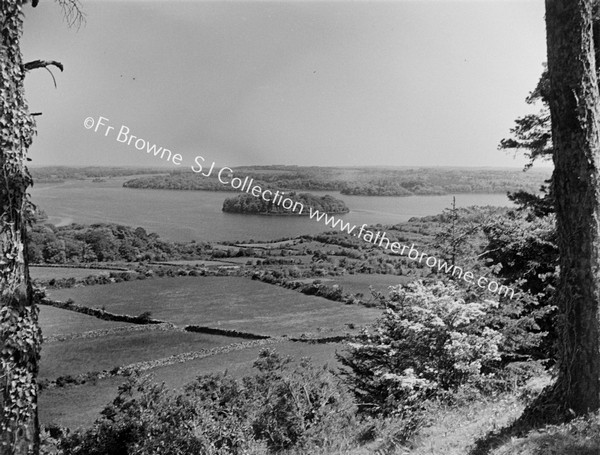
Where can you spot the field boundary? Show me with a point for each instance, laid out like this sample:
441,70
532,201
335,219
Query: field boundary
324,340
100,313
81,266
166,326
225,332
128,370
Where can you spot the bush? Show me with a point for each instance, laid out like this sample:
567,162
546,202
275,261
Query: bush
145,317
522,250
427,342
145,419
282,407
300,407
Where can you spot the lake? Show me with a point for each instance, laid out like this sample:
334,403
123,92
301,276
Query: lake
197,215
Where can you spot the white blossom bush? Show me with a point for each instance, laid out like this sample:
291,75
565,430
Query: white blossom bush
429,340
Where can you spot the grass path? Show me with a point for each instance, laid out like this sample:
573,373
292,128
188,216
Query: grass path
455,430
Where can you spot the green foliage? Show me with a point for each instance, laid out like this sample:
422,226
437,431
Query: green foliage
281,407
522,250
391,188
301,406
532,133
518,250
19,334
21,338
101,242
179,181
456,241
146,418
428,341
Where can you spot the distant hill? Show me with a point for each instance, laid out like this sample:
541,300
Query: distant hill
365,181
53,174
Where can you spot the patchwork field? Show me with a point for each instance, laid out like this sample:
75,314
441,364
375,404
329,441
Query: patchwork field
221,302
56,405
233,303
78,356
239,363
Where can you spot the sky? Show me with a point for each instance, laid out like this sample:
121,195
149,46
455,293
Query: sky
342,83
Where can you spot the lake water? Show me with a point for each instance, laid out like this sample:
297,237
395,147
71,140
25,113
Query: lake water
197,215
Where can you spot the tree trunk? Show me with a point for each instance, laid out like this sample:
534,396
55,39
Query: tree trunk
19,329
574,106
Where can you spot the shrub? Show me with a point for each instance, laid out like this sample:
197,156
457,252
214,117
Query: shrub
145,419
300,407
145,317
522,250
428,341
281,407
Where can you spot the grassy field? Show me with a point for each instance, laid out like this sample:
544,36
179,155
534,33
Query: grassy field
49,273
239,363
197,263
55,321
78,356
77,406
56,405
224,302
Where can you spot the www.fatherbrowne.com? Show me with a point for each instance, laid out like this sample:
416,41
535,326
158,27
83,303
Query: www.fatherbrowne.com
381,239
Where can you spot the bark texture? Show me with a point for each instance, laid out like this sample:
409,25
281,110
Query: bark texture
575,109
19,331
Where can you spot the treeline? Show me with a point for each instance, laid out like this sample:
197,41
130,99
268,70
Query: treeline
246,203
179,181
76,244
54,174
447,181
316,287
365,181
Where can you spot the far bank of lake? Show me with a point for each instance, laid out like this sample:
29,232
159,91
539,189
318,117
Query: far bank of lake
197,215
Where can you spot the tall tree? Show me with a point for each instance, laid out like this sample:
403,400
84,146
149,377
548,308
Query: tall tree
574,102
19,331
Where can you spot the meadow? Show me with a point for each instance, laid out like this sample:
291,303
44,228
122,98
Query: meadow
56,321
236,303
49,273
56,405
78,405
78,356
232,303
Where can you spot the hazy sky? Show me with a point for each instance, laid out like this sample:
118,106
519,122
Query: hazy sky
297,82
